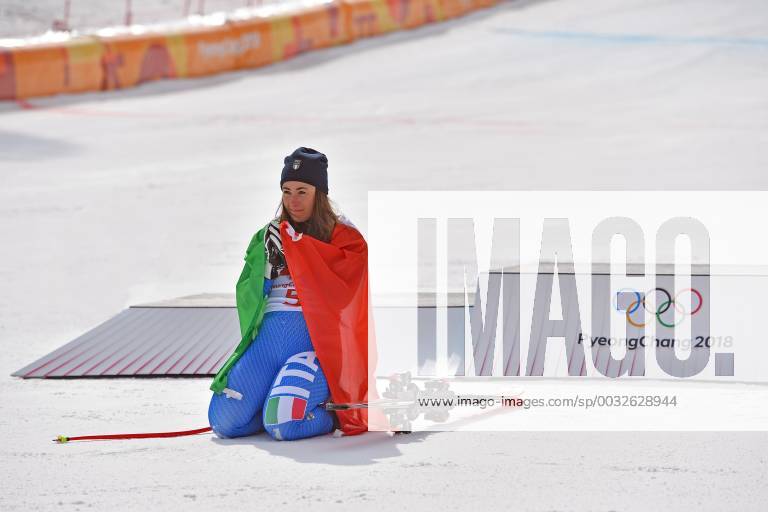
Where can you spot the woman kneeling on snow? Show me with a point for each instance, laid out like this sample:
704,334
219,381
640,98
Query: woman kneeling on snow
302,301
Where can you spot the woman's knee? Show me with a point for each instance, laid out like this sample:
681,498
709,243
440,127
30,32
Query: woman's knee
222,433
275,432
316,422
227,430
290,410
229,419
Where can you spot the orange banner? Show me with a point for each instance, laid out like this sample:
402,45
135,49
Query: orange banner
131,60
39,71
117,61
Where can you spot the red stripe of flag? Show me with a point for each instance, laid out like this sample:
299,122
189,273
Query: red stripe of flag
299,408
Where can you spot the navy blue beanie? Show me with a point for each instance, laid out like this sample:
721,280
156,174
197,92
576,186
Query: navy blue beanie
307,166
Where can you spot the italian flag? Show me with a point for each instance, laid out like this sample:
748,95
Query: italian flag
331,279
281,409
332,282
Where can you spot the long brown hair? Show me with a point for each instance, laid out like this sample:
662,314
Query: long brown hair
322,221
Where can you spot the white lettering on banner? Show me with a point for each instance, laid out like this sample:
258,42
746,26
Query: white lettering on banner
230,47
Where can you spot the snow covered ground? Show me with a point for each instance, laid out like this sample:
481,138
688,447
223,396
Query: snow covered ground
108,200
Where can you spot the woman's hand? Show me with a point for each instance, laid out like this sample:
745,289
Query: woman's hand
292,232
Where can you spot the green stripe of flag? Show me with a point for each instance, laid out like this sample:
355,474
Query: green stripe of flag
271,416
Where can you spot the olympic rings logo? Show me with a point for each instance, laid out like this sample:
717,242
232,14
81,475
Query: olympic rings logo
662,307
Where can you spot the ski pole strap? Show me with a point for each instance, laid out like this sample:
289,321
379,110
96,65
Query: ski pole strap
64,439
